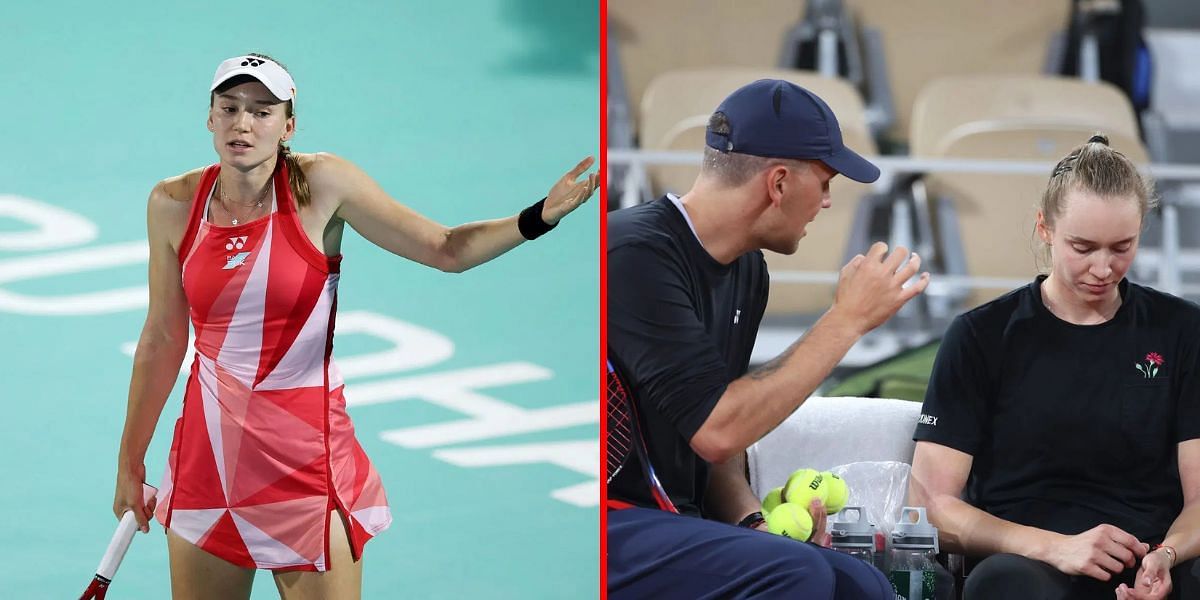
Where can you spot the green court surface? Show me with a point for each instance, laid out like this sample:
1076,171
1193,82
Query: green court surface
475,394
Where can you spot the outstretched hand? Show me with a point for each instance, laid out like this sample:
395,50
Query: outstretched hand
568,194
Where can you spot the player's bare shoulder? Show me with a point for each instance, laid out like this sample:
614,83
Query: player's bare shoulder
170,204
323,170
327,175
176,192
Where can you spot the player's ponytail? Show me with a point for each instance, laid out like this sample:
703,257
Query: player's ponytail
296,179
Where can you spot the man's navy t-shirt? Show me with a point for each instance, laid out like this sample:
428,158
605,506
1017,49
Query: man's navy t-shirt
683,326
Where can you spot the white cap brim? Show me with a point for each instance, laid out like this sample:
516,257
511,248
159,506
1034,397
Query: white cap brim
268,72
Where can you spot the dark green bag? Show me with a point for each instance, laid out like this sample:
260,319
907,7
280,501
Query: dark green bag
904,376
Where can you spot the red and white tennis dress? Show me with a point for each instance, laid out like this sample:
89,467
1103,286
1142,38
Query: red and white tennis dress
264,449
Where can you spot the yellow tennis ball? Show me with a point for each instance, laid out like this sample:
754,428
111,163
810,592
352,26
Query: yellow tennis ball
790,520
803,486
774,498
793,481
838,492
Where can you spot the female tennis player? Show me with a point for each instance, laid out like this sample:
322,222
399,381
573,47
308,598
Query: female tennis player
264,471
1059,447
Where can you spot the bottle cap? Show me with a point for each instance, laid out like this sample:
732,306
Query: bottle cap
853,531
914,531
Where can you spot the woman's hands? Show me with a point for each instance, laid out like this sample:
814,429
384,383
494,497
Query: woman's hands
1098,552
128,496
568,194
1153,580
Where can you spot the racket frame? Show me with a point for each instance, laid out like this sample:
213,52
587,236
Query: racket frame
661,498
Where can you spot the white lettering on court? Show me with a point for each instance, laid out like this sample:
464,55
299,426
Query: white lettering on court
55,228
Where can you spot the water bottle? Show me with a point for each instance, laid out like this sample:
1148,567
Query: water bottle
856,536
913,555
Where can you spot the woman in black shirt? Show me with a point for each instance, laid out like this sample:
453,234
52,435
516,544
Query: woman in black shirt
1059,441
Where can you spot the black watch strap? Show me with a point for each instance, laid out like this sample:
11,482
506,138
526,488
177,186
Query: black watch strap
752,520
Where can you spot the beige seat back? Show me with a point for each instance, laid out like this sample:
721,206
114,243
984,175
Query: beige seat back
656,36
675,111
996,212
948,103
927,39
1010,117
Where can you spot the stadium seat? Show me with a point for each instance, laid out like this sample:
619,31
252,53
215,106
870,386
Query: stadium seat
674,113
927,39
957,102
655,37
1173,122
1171,128
984,222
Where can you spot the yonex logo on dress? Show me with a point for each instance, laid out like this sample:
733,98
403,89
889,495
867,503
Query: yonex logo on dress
236,242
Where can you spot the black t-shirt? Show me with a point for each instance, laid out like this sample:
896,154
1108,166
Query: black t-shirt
683,326
1070,426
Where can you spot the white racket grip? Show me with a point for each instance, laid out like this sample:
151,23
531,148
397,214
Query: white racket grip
117,546
121,539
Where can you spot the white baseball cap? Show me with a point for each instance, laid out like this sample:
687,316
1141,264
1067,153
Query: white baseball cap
264,70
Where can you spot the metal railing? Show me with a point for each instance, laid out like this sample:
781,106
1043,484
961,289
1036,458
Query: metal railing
1169,259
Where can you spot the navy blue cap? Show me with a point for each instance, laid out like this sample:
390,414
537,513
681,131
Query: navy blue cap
779,119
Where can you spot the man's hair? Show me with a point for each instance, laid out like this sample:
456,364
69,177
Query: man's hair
733,169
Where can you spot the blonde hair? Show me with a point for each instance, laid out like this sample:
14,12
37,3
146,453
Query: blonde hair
1096,168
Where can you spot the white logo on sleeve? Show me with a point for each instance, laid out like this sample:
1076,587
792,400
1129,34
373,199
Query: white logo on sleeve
737,313
928,420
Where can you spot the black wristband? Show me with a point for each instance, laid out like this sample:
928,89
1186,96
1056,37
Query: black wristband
751,520
530,221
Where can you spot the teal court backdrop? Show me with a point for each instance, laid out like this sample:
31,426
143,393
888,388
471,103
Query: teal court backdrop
475,394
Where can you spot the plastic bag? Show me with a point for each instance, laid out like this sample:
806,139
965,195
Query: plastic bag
879,487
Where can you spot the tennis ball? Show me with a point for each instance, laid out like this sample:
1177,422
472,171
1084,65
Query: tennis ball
774,498
838,493
803,486
790,520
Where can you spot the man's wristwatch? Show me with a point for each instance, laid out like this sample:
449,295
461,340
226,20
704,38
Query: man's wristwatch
752,520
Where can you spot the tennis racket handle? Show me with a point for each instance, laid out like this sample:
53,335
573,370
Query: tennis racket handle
119,543
117,546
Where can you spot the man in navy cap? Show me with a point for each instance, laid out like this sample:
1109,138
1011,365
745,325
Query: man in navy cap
687,286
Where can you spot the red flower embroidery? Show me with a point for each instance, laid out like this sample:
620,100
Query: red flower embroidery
1153,360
